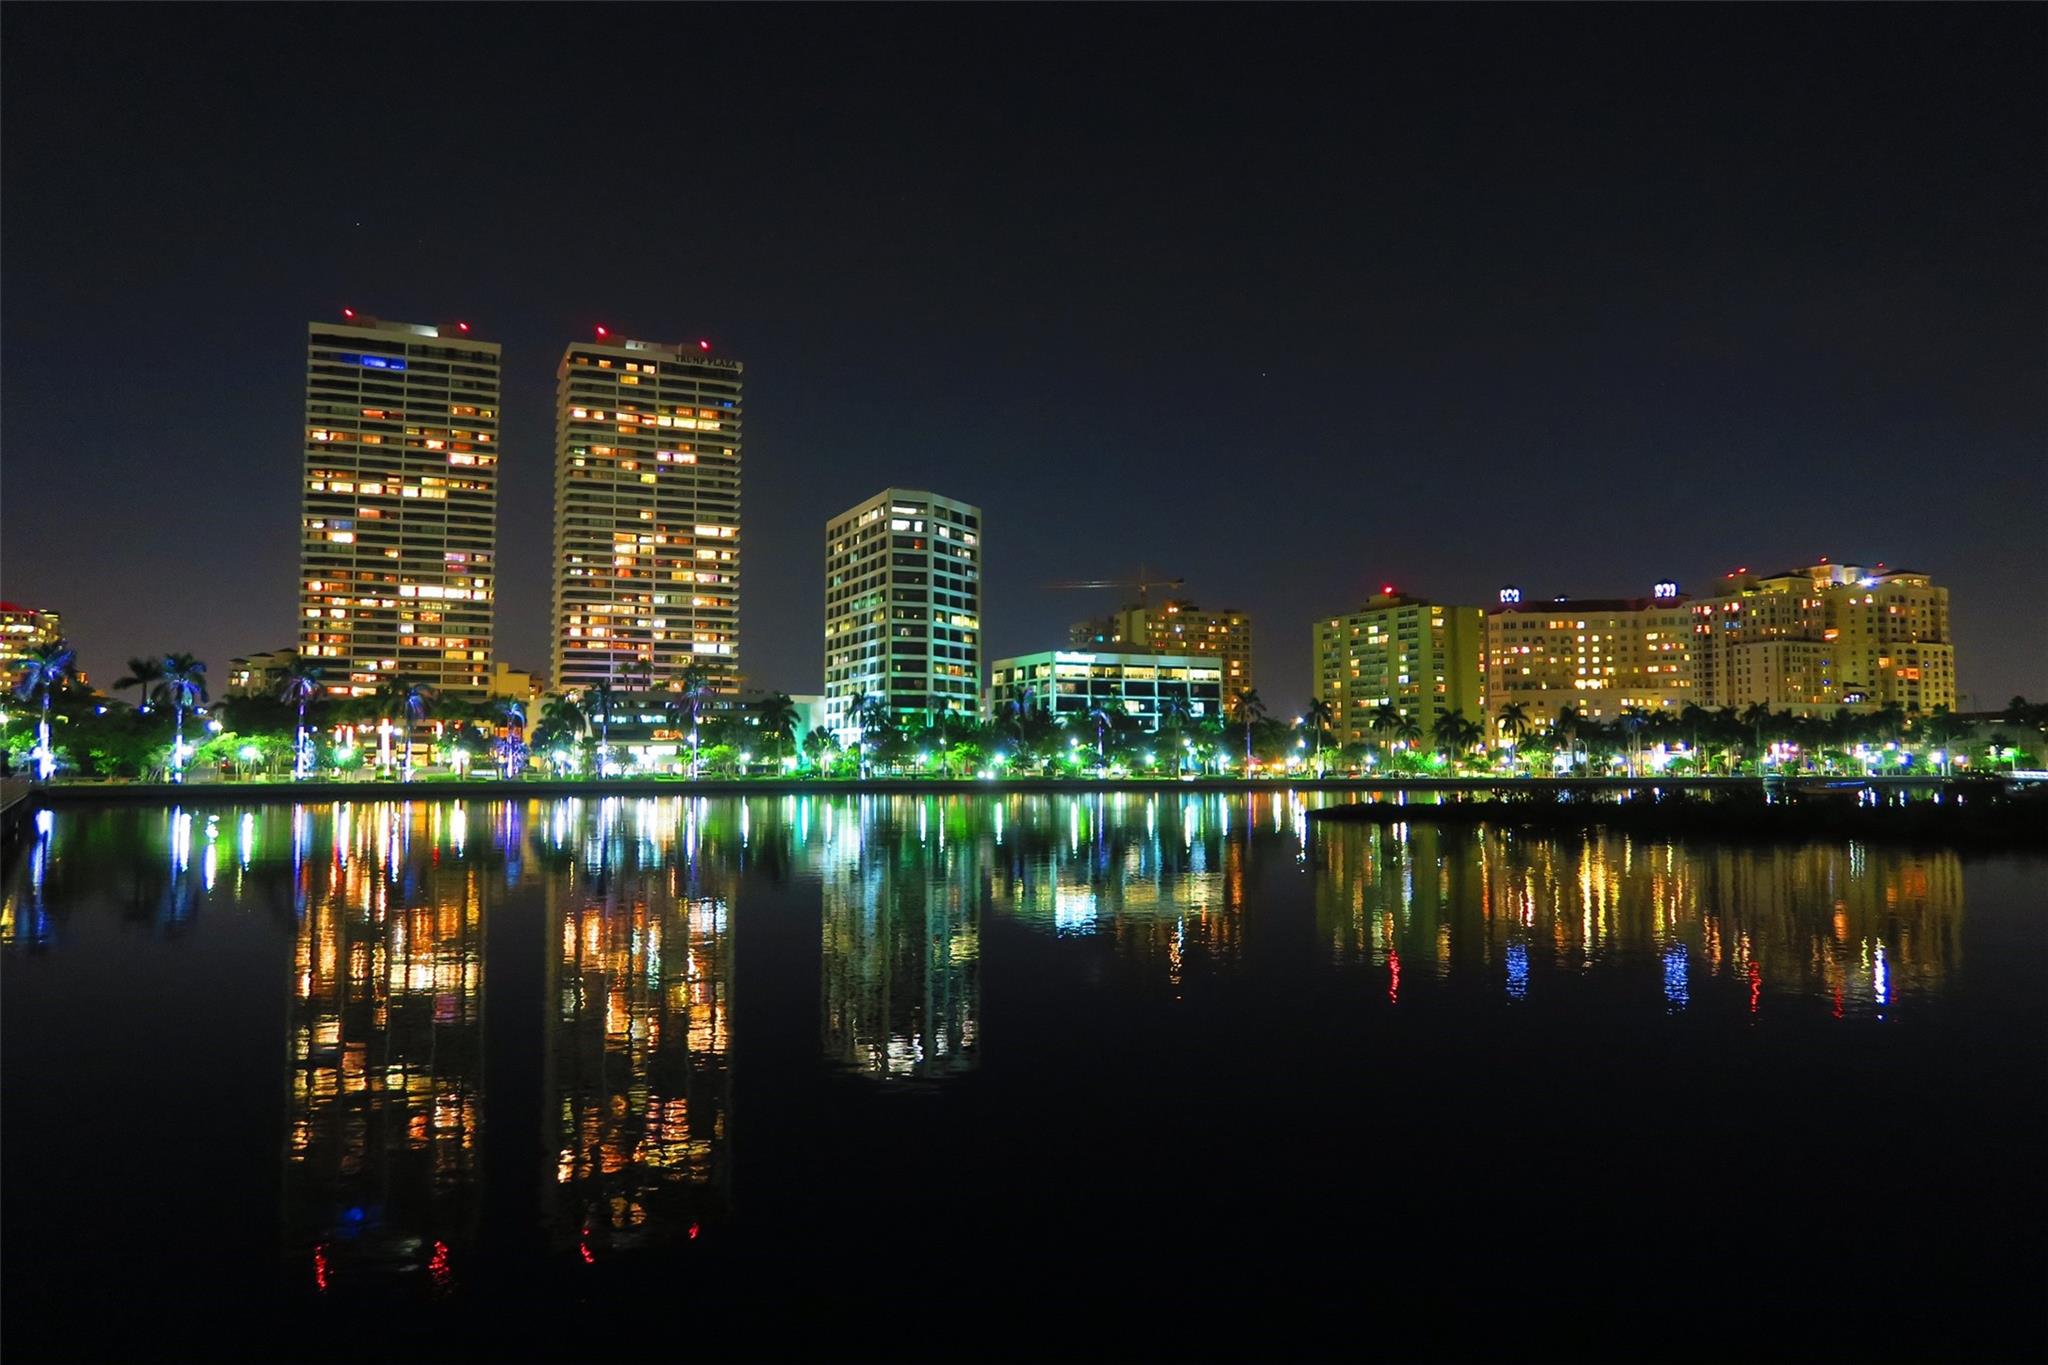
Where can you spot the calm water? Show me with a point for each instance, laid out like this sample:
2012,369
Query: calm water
1016,1077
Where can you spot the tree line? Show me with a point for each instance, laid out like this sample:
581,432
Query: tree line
293,725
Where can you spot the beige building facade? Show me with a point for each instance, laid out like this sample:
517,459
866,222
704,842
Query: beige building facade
1600,657
1826,636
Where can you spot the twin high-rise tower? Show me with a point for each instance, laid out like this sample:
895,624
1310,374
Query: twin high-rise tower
398,532
647,515
399,521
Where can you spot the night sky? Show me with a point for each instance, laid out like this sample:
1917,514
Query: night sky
1289,303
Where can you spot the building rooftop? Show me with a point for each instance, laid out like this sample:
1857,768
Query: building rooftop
444,331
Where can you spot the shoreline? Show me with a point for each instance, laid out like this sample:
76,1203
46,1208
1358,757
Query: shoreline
1992,823
430,789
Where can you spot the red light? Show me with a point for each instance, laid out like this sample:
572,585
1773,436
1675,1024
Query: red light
348,312
1386,589
602,332
693,1232
462,326
703,345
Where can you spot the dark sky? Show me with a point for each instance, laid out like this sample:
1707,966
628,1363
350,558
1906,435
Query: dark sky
1289,302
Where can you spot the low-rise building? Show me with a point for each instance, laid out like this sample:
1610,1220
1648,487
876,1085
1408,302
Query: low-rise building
514,684
1177,626
23,629
1145,687
250,674
1422,658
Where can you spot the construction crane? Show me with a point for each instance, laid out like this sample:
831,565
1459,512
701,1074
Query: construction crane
1141,582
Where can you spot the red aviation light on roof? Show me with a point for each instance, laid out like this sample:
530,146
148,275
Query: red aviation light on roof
462,327
601,330
349,313
703,345
1386,589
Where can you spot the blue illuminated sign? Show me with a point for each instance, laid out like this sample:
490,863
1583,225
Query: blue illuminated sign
374,362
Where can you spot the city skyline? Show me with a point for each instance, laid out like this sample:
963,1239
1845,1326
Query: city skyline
1596,389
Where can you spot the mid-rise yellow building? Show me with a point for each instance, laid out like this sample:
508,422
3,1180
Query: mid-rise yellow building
1422,658
1177,626
1826,636
1598,656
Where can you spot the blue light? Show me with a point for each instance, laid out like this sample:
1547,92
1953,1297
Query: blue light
1677,986
374,362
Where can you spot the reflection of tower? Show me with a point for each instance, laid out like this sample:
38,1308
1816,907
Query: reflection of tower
639,1008
901,947
386,1031
24,915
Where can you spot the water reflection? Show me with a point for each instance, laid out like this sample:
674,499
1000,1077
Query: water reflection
639,1029
624,916
902,882
386,1096
1860,929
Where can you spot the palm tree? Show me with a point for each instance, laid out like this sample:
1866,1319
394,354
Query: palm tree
1456,734
1389,724
1514,722
1247,709
143,674
1020,707
871,715
561,722
1098,716
777,715
816,743
599,699
183,685
1408,730
298,680
1566,727
1756,716
697,694
401,698
45,668
1319,716
1632,722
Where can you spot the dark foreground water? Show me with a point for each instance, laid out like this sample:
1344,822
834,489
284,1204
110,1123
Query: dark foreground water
1006,1077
